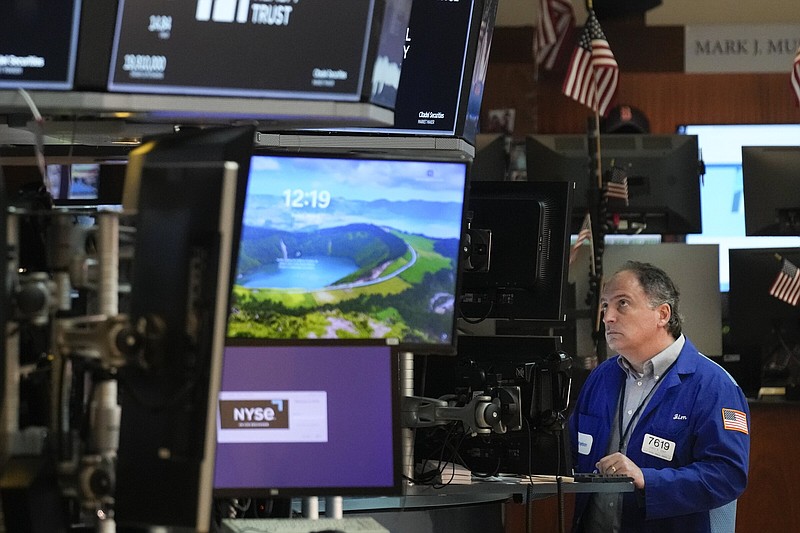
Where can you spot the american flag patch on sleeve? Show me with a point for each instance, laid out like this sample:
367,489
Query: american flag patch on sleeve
734,420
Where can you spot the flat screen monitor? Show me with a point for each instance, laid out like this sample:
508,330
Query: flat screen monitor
308,418
515,259
183,190
86,184
309,49
722,198
180,282
491,160
764,330
38,44
350,246
771,177
445,57
71,184
663,177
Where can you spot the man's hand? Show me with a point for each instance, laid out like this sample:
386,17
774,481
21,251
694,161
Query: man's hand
617,463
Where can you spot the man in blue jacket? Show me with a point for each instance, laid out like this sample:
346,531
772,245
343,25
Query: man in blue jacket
659,412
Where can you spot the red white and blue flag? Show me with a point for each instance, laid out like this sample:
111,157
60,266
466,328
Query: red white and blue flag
593,73
585,234
734,420
556,21
786,286
796,77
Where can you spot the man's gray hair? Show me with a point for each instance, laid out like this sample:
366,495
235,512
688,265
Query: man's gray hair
659,289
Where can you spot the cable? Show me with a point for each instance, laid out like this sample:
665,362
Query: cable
38,136
560,496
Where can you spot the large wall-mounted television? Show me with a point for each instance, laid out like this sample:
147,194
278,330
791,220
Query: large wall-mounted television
309,49
722,197
38,44
515,259
771,177
308,418
350,245
663,177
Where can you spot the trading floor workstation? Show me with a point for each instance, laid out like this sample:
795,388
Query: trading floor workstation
298,302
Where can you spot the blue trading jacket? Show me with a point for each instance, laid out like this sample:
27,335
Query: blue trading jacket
691,408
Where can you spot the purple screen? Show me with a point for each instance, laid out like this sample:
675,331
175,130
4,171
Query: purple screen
307,419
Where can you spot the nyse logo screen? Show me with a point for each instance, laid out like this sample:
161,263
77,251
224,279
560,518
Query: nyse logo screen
273,416
244,414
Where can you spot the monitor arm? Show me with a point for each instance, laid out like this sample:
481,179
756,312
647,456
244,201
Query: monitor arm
483,414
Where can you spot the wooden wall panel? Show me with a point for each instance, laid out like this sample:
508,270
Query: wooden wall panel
771,501
668,98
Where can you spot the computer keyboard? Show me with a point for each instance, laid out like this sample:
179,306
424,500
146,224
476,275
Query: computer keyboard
347,524
594,477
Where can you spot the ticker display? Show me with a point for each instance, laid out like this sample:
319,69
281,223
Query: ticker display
433,71
260,48
38,43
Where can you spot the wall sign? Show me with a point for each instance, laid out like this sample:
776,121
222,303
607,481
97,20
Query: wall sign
741,48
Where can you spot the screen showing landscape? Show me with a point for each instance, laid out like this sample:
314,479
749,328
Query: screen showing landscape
336,247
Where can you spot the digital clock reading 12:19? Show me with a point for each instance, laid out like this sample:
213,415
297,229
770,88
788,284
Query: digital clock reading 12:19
298,198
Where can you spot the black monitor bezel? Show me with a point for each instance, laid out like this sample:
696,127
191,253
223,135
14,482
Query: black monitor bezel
66,80
400,155
566,151
766,191
536,309
752,311
396,488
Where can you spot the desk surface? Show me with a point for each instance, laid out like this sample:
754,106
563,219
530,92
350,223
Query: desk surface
419,496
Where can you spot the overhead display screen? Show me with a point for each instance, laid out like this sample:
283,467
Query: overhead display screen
435,49
260,48
445,57
38,41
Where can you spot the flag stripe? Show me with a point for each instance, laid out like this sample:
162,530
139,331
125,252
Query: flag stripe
796,77
593,74
556,18
734,420
585,234
786,286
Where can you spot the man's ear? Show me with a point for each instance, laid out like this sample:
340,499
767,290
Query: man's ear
664,313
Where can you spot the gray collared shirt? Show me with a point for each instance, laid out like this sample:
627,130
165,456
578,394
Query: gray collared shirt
604,513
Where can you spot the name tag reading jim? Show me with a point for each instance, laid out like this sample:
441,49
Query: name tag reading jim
658,447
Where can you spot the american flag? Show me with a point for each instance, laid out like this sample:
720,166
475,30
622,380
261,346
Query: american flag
617,185
585,234
735,420
556,19
593,73
796,76
786,286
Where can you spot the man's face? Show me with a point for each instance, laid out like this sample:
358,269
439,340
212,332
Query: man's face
633,328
